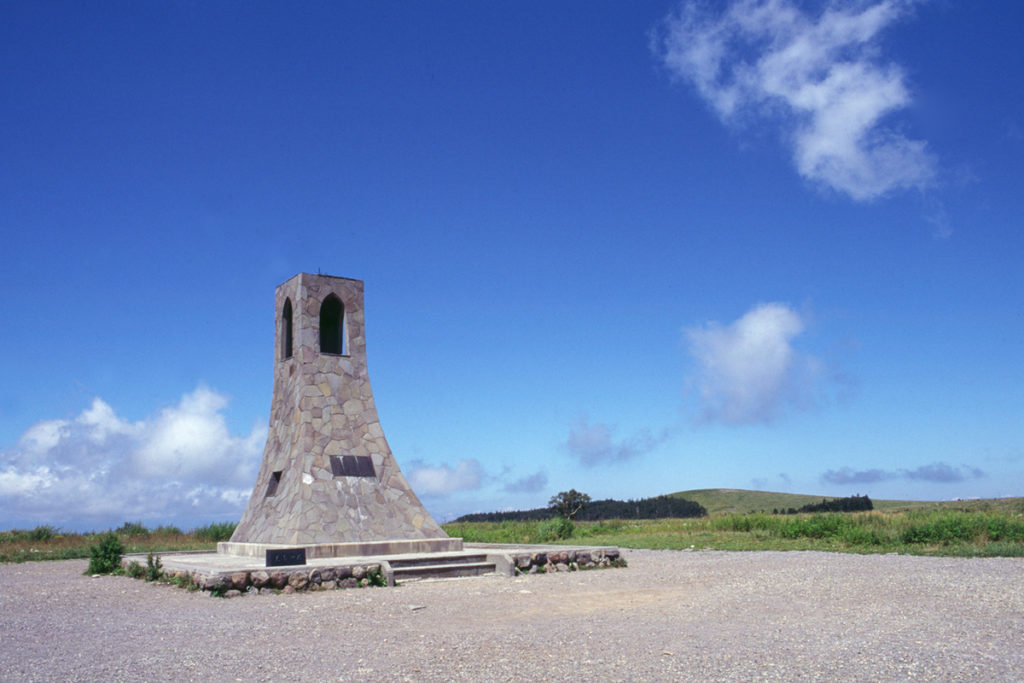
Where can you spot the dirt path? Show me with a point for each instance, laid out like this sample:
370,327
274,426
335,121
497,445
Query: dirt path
669,616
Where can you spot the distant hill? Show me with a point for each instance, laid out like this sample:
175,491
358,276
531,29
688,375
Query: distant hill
726,501
697,502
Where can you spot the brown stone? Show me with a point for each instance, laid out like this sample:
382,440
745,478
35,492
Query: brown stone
278,579
259,578
239,580
298,580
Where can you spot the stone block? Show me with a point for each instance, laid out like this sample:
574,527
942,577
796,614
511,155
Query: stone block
298,580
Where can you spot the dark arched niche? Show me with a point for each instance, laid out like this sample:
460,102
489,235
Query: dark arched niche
286,329
332,322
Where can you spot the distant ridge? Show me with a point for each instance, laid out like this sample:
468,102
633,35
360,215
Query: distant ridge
743,501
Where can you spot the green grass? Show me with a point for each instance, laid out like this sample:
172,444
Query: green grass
737,521
922,530
48,543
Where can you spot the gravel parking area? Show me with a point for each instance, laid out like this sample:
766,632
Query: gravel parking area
668,616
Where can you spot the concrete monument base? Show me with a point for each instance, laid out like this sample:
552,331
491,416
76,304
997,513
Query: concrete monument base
356,549
246,573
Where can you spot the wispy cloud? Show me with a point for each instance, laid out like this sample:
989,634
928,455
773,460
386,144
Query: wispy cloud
596,445
749,371
817,76
939,473
528,484
101,469
443,480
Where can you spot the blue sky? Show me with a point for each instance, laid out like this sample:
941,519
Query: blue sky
627,248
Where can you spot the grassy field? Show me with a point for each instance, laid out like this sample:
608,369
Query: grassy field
737,520
742,520
925,531
48,543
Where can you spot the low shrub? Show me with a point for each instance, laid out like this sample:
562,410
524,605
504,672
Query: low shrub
217,531
554,529
133,529
105,555
154,568
375,577
135,570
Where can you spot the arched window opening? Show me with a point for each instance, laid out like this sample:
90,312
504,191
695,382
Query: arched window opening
332,323
286,331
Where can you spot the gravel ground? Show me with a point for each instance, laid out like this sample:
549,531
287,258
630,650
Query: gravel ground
669,616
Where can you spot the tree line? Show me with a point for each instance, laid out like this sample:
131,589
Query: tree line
658,507
848,504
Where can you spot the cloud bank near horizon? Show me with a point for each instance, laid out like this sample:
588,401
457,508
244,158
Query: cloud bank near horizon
936,473
816,77
180,466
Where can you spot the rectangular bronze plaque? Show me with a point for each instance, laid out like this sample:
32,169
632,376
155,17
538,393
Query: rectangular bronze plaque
285,556
364,466
352,466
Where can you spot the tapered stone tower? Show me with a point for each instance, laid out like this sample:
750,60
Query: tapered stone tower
328,476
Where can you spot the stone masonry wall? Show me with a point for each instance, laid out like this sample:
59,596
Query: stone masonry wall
323,406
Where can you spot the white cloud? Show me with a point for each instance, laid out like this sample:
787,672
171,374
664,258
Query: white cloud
444,480
936,472
596,445
818,77
529,484
99,469
749,371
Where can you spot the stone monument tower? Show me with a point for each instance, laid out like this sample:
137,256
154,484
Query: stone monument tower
328,477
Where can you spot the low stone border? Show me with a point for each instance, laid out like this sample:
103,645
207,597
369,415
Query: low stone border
281,580
558,560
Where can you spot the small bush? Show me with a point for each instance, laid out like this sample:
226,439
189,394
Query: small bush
555,529
135,570
217,531
43,533
169,530
154,568
133,529
375,577
105,556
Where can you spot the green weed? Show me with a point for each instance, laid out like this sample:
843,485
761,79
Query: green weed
105,556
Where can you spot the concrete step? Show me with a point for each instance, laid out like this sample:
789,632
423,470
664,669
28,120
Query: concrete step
438,559
443,571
